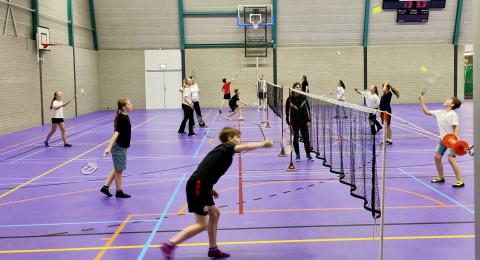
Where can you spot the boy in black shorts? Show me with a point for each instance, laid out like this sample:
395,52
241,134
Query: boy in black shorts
200,192
234,108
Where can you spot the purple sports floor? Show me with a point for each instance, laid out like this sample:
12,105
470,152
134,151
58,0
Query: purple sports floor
48,210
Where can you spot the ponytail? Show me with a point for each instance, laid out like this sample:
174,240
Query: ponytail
342,84
375,89
53,99
120,104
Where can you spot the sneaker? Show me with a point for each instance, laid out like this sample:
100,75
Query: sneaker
219,111
67,145
240,118
192,134
228,118
345,116
389,142
458,184
45,143
217,253
336,117
438,180
105,191
182,133
167,250
310,158
297,158
122,195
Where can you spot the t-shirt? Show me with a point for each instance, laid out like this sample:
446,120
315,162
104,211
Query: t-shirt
233,101
124,129
385,102
262,86
226,88
340,94
372,100
304,85
194,90
186,93
215,164
59,112
445,121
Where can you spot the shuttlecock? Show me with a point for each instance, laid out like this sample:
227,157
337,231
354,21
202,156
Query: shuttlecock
424,69
377,9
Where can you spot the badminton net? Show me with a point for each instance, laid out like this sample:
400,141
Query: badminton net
342,136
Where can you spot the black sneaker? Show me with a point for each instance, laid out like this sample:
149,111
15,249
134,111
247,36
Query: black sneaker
122,195
67,145
105,191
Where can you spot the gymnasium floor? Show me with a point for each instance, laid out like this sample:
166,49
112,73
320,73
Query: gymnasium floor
50,211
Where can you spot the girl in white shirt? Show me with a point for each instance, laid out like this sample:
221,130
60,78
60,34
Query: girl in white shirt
340,97
372,100
196,100
187,106
57,118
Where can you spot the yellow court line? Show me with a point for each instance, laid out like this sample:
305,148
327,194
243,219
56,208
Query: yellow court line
115,235
254,242
61,165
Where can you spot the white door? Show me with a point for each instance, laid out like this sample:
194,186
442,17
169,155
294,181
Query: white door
163,79
162,89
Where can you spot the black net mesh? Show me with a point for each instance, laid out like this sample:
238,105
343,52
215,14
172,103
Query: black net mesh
341,136
275,98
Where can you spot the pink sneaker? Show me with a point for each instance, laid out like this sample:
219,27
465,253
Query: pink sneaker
216,253
167,250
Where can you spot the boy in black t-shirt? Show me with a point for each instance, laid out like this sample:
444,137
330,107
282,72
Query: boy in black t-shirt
200,192
118,145
234,107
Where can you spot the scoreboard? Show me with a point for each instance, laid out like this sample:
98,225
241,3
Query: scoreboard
412,11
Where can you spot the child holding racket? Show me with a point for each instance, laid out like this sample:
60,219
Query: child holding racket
200,192
234,107
447,122
372,100
226,92
298,118
57,106
386,109
118,145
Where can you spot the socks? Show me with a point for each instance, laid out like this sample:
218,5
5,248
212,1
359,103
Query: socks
105,191
122,195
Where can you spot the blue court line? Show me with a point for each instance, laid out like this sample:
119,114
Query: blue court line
437,191
170,201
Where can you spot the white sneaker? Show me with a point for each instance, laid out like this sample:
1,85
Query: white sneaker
240,118
228,118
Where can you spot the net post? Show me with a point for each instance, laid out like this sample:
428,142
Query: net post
282,151
291,167
382,203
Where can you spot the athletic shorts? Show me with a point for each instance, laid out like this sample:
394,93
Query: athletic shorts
119,157
441,149
261,95
226,96
386,116
57,120
199,196
233,107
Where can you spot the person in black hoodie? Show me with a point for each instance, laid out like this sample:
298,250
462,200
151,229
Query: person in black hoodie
298,119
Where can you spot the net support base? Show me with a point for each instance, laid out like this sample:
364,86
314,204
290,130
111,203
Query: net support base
267,124
282,153
292,168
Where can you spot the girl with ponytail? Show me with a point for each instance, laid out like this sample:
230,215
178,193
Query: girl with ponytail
57,106
118,145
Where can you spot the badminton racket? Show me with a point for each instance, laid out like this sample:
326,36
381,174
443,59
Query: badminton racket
91,166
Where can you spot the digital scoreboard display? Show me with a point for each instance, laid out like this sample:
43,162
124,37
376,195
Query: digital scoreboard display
412,11
400,4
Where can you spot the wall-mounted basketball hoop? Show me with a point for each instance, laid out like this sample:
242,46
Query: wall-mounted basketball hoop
255,16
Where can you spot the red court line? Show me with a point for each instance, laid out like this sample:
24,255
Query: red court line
240,180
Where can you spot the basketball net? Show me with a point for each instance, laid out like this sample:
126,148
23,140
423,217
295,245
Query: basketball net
255,25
